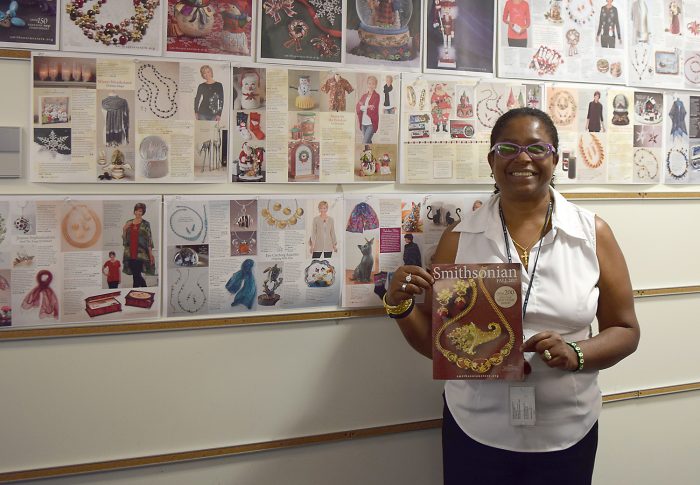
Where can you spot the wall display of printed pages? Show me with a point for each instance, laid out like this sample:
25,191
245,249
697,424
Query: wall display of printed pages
563,40
83,259
213,28
383,232
681,157
664,43
607,135
301,31
125,120
254,254
112,27
29,25
322,126
386,33
446,125
459,37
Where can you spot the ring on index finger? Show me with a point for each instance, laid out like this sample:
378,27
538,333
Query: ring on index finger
408,277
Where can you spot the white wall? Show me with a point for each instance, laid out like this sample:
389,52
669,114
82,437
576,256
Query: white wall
78,400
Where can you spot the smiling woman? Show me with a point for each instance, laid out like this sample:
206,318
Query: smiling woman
579,274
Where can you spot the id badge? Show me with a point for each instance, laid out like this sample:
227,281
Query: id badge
522,406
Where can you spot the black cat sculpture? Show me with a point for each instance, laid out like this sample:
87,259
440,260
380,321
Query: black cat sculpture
363,271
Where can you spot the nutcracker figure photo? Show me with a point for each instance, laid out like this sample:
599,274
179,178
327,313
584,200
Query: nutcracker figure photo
459,36
444,16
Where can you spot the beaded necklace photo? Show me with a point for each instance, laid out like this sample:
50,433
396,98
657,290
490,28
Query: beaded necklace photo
580,11
591,150
281,217
117,32
640,60
488,109
81,227
677,163
192,301
188,224
149,92
562,108
646,163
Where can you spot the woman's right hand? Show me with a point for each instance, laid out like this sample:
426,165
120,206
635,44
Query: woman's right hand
407,282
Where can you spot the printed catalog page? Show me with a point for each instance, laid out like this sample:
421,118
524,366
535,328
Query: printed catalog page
446,125
318,126
120,120
570,40
83,259
383,232
255,254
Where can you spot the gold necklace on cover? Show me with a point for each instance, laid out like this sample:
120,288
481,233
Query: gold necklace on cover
479,365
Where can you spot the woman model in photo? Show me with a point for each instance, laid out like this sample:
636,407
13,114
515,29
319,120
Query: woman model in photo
209,100
579,275
516,14
594,118
367,110
608,25
138,247
323,240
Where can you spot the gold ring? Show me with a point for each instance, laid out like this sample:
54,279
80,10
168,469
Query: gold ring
547,355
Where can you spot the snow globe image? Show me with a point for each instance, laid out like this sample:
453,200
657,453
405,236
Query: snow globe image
384,31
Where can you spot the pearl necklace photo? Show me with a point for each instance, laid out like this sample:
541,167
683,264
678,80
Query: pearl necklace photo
149,92
562,108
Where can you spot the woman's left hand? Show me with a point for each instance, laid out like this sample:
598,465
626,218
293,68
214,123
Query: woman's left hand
553,350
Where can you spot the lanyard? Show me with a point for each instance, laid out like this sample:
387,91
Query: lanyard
537,257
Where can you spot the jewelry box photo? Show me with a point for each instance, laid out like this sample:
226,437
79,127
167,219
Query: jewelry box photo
141,299
97,305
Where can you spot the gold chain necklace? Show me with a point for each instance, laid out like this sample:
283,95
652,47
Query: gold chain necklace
525,255
480,366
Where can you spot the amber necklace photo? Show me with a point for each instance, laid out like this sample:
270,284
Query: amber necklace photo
591,150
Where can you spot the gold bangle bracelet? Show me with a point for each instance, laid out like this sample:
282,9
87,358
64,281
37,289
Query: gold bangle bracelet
397,309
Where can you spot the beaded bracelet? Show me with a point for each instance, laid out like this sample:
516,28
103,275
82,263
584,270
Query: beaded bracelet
402,310
579,355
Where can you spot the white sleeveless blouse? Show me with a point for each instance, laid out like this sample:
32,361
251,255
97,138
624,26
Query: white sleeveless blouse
564,299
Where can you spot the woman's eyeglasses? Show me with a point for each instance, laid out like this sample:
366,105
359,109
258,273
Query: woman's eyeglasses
536,151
